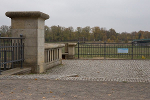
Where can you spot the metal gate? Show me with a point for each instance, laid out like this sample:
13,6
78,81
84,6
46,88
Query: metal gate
11,52
113,50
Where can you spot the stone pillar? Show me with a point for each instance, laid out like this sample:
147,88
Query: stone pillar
71,50
66,47
31,26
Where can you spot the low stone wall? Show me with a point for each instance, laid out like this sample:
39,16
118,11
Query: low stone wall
52,55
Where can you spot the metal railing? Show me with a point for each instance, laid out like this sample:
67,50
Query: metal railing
11,52
113,50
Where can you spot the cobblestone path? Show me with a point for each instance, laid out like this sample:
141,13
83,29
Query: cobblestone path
105,70
96,70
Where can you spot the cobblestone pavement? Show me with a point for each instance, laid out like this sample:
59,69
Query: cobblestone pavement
105,70
96,70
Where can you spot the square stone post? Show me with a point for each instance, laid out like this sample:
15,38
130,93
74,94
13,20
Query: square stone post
71,50
60,55
31,26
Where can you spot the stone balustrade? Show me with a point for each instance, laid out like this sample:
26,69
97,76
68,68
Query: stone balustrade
53,55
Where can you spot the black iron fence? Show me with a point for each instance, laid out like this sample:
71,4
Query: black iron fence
11,52
113,50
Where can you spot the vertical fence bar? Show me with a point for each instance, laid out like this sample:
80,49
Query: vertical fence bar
132,50
4,55
9,50
5,59
21,50
12,54
58,53
53,55
18,49
105,50
78,49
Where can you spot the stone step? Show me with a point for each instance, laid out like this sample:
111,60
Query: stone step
15,71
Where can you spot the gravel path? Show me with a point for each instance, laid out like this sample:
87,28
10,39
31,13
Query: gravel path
40,89
96,70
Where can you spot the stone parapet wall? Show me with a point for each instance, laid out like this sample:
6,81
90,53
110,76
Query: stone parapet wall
52,55
53,45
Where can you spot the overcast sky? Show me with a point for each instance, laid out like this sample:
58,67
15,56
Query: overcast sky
121,15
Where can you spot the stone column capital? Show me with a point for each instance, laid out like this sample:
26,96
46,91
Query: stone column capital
34,14
72,44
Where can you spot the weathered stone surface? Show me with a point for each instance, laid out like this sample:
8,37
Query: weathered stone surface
72,44
24,23
41,41
41,23
32,52
60,53
30,42
31,60
31,25
53,45
71,50
34,14
40,55
32,33
52,64
40,33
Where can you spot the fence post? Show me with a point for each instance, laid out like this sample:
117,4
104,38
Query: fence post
105,50
78,49
5,58
0,54
21,50
132,50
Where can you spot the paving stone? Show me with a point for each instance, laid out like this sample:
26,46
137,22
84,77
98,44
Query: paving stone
96,70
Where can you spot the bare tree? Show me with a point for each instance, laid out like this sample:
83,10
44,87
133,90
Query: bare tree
5,30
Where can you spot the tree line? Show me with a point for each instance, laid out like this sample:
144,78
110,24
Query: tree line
59,33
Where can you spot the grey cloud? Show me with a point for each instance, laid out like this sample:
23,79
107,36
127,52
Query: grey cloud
122,15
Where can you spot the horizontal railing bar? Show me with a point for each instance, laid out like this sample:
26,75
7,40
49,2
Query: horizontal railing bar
104,47
113,54
9,46
105,43
12,61
6,50
114,43
12,38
